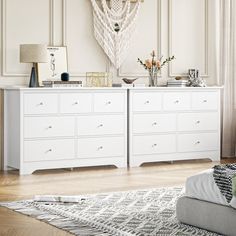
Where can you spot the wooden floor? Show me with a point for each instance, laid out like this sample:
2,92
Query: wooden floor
79,181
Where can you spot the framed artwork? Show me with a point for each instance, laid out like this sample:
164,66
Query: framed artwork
56,65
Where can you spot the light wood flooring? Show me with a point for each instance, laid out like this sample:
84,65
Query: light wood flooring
84,180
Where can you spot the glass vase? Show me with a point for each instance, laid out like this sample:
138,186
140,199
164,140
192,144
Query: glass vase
153,79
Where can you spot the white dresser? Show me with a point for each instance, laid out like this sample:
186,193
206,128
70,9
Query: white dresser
46,128
167,124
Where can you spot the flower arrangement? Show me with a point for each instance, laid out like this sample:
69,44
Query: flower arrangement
153,66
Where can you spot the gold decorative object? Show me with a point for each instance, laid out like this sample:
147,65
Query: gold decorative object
98,79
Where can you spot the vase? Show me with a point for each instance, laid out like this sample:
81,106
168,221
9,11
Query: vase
153,79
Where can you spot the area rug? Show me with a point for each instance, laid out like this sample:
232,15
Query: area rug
139,213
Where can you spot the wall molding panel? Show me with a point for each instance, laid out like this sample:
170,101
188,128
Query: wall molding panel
204,70
6,72
102,63
122,72
163,25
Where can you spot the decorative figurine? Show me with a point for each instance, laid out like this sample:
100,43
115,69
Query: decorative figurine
195,80
129,81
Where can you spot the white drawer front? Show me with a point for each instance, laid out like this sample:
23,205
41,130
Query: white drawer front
100,147
154,123
109,102
150,101
205,101
75,103
154,144
197,121
39,127
49,150
40,103
198,142
176,101
101,125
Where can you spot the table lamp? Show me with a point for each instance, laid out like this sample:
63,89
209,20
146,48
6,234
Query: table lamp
33,53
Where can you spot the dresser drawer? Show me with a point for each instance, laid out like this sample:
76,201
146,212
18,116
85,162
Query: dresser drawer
49,150
41,103
75,103
205,101
198,142
154,123
40,127
101,125
198,121
176,101
147,101
109,102
101,147
154,144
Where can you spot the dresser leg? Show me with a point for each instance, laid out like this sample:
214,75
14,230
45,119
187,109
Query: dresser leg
26,171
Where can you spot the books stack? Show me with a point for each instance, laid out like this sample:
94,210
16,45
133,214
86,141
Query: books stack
177,83
59,84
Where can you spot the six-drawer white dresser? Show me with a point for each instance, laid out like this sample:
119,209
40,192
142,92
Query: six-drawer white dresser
47,128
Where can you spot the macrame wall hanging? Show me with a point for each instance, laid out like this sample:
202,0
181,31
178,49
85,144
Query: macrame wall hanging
114,25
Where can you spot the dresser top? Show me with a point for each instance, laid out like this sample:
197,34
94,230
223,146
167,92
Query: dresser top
163,88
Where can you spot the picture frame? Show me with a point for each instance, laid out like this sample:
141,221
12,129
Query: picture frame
56,65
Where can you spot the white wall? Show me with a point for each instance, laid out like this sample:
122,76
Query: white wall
183,28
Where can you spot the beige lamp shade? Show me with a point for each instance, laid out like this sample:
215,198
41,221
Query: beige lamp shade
35,53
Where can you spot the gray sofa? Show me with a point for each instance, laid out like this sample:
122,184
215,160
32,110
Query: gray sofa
206,215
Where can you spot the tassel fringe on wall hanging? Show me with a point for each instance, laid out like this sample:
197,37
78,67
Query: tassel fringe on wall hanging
114,25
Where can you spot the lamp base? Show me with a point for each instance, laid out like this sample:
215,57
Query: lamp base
33,77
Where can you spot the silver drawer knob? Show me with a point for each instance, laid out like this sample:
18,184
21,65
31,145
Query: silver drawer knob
50,127
204,101
154,124
49,150
154,145
147,102
100,148
177,101
198,122
109,103
198,142
41,104
76,103
101,125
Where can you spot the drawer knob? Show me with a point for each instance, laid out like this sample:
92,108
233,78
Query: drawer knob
176,101
49,150
154,145
76,103
101,125
147,102
198,122
50,127
41,104
100,148
198,142
109,102
154,124
204,101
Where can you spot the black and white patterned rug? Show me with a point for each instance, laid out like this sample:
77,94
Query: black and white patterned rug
140,213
